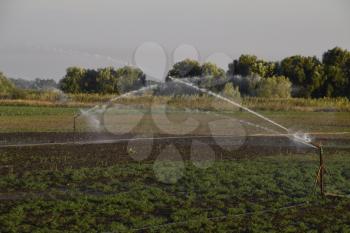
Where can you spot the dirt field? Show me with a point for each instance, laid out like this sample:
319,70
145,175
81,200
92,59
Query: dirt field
33,150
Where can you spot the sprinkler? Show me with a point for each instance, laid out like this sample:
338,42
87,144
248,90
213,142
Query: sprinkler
306,140
84,113
321,170
301,138
74,125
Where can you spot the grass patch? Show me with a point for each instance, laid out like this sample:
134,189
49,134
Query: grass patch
51,119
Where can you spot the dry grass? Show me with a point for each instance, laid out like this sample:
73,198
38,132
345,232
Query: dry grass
202,102
299,104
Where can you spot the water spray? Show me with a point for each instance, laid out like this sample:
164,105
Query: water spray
110,102
298,137
302,138
229,101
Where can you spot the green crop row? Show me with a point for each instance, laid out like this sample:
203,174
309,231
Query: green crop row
130,196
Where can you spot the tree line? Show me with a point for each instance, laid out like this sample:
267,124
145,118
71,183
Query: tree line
36,84
296,76
232,84
104,81
302,76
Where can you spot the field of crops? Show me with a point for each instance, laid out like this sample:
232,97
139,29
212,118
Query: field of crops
256,184
272,194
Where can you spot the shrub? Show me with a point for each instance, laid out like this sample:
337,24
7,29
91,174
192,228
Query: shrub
231,91
274,87
6,86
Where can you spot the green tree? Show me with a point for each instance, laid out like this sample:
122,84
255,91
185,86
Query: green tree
337,70
89,83
186,68
72,81
305,73
6,86
275,87
212,77
248,65
212,70
106,81
130,78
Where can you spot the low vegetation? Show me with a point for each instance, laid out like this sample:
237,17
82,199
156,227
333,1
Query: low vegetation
273,194
6,87
203,102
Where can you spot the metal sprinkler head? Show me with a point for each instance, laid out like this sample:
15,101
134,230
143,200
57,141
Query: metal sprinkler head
77,115
318,145
74,124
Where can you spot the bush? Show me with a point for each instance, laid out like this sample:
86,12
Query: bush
18,94
212,70
6,86
231,91
274,87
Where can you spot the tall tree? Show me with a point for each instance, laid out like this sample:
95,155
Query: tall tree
212,70
130,78
248,65
186,68
106,81
337,70
305,73
89,83
72,81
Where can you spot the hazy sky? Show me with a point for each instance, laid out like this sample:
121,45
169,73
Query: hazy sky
41,38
